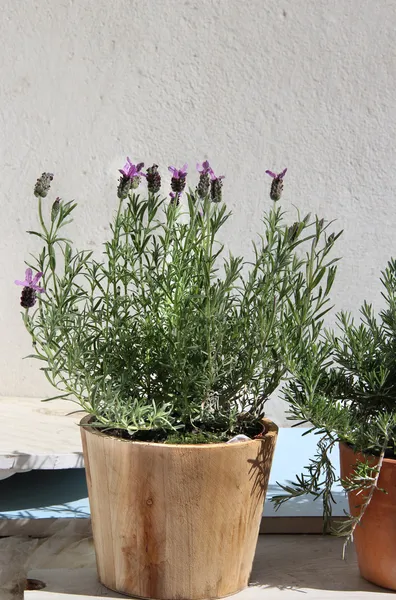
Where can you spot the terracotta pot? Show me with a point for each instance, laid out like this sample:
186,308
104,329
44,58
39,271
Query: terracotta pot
176,521
375,537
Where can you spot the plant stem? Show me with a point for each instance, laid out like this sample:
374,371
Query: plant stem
41,218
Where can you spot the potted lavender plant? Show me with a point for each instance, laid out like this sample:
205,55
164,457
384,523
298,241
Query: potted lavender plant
344,386
172,351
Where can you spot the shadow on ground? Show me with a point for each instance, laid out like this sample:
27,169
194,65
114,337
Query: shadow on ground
307,562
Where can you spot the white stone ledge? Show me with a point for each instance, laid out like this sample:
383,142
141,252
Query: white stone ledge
38,435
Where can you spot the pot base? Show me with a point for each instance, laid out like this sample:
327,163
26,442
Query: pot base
149,598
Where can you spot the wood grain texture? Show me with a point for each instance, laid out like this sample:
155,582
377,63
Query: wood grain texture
176,521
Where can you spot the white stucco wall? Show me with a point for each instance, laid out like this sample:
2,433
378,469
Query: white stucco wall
307,84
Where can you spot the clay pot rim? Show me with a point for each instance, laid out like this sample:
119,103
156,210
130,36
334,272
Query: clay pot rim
390,461
270,428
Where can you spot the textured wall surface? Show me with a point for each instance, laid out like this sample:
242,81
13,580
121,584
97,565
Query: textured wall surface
250,85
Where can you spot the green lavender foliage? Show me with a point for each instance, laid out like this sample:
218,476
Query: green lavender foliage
166,330
344,386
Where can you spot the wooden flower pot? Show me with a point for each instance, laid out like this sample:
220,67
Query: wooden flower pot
176,521
375,537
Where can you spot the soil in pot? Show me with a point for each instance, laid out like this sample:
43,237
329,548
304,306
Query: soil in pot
201,433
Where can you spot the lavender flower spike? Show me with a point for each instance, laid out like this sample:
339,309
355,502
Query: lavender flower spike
43,185
178,181
277,184
215,186
204,183
153,179
130,178
30,288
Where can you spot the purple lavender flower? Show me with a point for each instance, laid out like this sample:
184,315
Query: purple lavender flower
204,168
31,281
130,170
215,186
130,178
204,183
277,184
213,177
30,288
274,175
178,181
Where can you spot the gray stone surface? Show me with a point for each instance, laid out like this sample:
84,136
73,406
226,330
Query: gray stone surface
287,566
